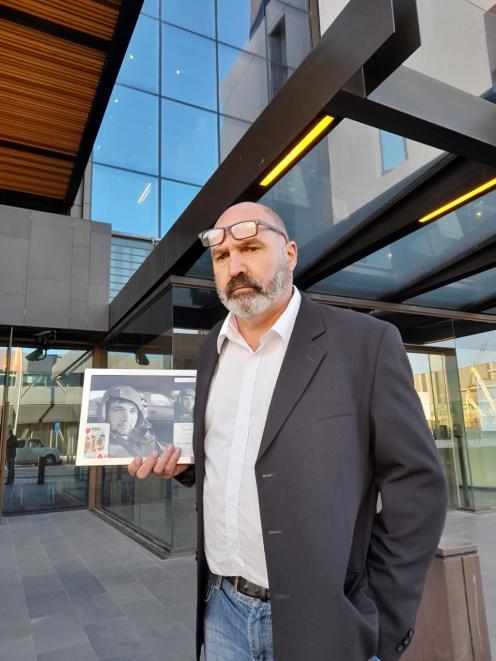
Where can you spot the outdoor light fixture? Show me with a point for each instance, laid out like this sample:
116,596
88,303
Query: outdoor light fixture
313,135
44,340
459,201
141,357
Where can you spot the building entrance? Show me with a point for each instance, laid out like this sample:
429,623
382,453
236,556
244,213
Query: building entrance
436,379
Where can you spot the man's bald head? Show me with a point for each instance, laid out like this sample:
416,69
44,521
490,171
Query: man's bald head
250,211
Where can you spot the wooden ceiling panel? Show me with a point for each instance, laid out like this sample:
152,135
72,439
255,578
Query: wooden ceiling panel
94,17
43,79
40,175
58,64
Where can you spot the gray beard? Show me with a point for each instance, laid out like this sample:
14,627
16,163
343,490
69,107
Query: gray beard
254,303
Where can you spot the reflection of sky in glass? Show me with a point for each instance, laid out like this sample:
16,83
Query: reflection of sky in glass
196,15
393,150
175,199
397,265
490,311
150,7
234,26
458,294
127,200
140,65
188,68
128,135
189,143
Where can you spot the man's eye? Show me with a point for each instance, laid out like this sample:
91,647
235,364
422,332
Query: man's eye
221,256
252,248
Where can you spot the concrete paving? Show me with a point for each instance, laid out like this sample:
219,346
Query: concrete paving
72,588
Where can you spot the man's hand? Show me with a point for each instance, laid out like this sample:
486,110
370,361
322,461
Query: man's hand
164,465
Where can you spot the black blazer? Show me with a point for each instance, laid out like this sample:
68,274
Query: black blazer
344,424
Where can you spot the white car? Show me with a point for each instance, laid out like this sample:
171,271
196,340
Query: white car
29,450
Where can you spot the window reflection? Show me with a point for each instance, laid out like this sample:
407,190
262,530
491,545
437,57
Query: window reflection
241,23
175,199
231,132
150,7
189,143
128,136
126,199
188,68
458,294
140,65
196,15
393,150
242,83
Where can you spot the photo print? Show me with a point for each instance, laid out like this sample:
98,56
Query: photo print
125,413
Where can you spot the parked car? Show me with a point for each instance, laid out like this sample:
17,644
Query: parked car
29,450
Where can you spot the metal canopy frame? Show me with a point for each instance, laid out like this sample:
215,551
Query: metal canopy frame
389,33
362,83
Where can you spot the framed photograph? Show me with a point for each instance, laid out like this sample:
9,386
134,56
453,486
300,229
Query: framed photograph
125,413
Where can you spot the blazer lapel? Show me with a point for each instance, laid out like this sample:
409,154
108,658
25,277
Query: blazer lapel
303,357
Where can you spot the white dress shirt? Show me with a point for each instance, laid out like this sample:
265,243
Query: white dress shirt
238,402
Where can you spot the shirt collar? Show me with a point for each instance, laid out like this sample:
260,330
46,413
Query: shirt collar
283,325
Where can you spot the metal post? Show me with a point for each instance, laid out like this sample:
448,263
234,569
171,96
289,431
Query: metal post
5,420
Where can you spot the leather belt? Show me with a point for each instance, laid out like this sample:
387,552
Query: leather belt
248,588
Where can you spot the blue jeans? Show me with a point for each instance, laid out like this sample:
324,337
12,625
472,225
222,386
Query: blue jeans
237,627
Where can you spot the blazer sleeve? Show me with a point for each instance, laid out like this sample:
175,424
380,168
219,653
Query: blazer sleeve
411,482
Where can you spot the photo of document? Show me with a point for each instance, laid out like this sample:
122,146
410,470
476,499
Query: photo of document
126,413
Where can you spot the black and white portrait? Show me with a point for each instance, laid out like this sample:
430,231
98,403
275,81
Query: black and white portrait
126,413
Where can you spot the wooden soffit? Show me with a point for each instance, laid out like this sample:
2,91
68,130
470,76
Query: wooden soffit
58,64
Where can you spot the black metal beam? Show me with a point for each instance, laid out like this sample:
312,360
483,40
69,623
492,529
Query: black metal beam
397,218
128,16
30,201
472,261
425,110
55,29
324,72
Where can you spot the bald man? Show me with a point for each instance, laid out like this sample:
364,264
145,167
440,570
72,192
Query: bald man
304,414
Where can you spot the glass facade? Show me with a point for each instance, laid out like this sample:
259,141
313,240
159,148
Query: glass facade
195,76
45,404
169,333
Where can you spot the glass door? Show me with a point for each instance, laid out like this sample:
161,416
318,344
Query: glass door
436,381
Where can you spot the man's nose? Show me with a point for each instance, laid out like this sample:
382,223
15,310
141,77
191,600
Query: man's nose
236,264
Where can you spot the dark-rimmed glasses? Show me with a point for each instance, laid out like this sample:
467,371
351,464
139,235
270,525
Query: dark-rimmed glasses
241,230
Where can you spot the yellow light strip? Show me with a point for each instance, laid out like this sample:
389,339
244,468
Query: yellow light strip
305,142
459,201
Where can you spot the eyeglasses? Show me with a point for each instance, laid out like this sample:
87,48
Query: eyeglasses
242,230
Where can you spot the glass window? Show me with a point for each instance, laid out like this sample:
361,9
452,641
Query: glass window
196,15
189,143
126,199
125,258
393,150
241,23
231,132
288,34
45,407
175,198
140,65
188,68
396,266
458,294
242,83
490,311
128,136
150,7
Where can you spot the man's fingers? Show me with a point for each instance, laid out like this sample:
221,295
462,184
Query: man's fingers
134,465
162,460
170,466
147,466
